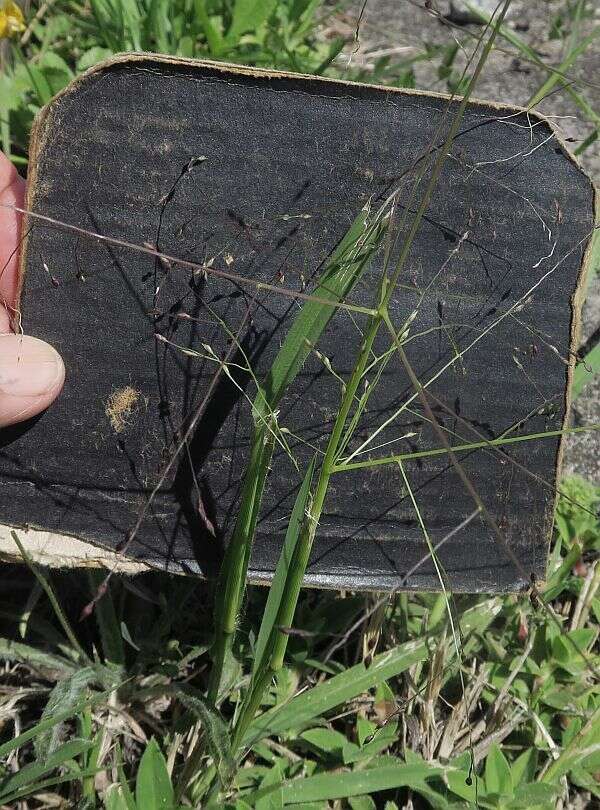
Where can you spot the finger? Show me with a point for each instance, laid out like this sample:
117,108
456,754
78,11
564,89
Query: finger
31,371
12,192
31,376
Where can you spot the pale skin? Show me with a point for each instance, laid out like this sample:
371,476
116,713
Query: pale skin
32,372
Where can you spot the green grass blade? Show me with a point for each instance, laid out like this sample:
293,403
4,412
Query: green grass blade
31,773
555,78
345,266
52,599
106,618
587,142
214,39
126,793
236,558
460,448
533,57
330,786
277,589
248,15
71,775
585,371
153,788
32,601
584,744
34,658
65,696
345,784
358,679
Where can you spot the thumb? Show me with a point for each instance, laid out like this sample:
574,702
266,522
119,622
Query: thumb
31,376
31,371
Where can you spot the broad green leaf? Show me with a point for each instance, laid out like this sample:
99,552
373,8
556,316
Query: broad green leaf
364,730
91,57
584,744
457,781
153,788
533,795
497,775
585,780
565,648
312,806
115,799
277,589
248,15
341,785
56,71
302,709
378,739
361,803
327,741
337,690
436,794
272,799
524,767
213,36
186,47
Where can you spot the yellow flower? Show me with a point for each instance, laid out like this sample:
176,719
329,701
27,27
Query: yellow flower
11,19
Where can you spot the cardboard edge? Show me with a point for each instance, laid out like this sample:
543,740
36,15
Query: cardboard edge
70,551
576,303
63,551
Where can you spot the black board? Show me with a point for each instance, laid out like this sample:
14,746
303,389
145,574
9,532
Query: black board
281,165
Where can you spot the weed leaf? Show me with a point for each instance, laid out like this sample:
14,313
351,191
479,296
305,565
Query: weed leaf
30,774
358,679
65,697
153,788
215,730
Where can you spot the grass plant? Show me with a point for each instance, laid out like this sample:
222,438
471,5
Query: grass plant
157,697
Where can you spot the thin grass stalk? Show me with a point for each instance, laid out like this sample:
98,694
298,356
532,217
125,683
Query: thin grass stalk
304,546
64,622
106,618
527,54
346,265
235,566
235,563
554,78
300,561
466,447
252,705
448,601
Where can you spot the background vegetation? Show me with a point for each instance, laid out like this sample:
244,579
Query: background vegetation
111,710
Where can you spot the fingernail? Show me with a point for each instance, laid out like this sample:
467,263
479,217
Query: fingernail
29,367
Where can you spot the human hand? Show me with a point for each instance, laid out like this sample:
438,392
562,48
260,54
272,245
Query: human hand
32,373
